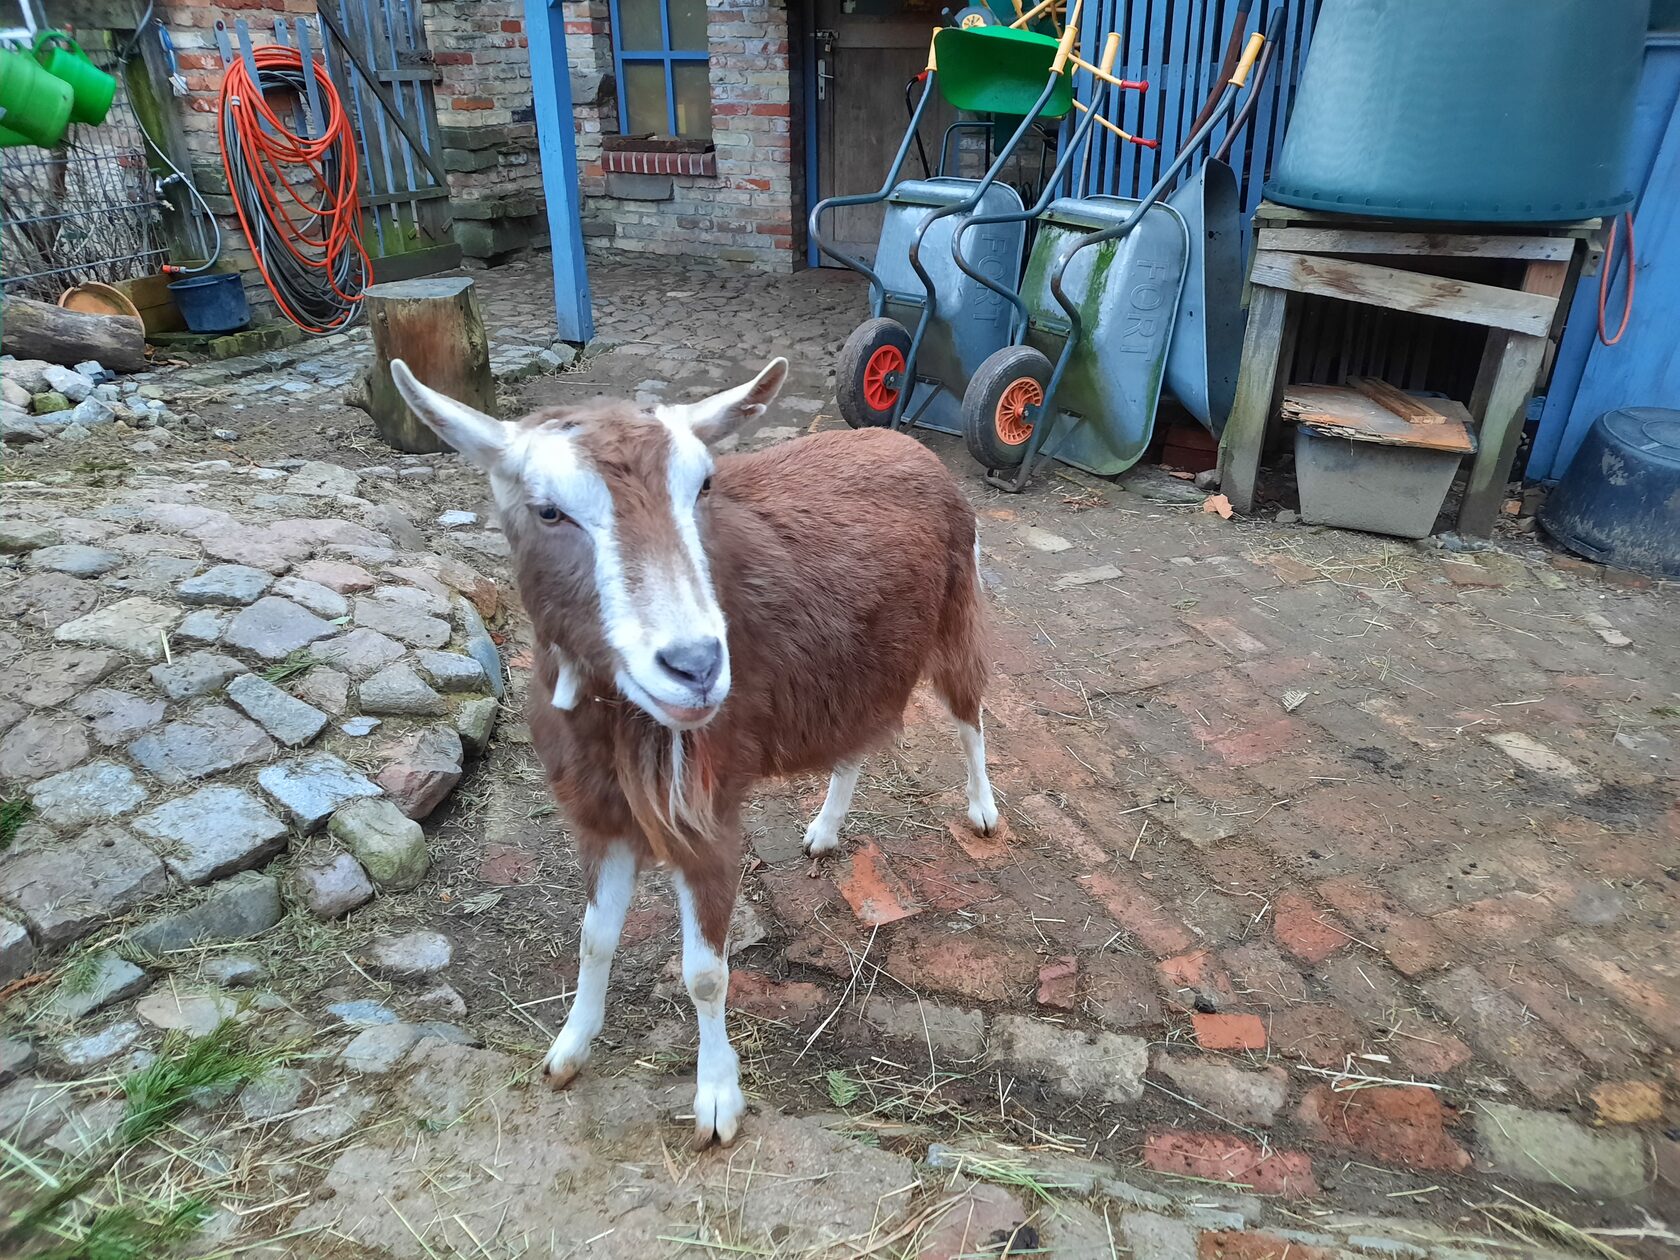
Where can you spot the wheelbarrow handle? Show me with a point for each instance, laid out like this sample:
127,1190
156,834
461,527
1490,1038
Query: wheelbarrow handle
1064,50
933,57
1239,120
1256,42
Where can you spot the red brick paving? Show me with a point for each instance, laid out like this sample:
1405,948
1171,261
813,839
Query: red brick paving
871,887
1231,1244
1229,1032
1058,984
1396,1125
1224,1157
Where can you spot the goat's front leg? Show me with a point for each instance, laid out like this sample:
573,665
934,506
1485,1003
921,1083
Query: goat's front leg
614,883
823,835
705,906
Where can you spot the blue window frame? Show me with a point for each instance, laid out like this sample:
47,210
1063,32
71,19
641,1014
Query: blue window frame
661,62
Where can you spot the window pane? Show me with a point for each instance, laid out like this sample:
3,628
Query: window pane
688,27
639,29
694,99
644,99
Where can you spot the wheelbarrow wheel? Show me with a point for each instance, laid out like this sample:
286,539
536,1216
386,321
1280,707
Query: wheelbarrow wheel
876,350
995,405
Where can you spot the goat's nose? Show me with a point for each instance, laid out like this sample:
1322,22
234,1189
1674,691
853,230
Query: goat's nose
696,662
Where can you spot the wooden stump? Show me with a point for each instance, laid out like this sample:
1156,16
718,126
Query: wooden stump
40,330
435,326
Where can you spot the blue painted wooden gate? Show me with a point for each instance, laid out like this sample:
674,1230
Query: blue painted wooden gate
1643,368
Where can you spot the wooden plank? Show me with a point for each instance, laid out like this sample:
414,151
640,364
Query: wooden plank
1268,212
557,143
1351,414
1244,438
1516,366
416,263
1314,240
1412,410
368,74
1484,304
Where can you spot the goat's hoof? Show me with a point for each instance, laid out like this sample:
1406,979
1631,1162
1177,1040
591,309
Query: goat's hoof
819,843
717,1114
562,1064
983,817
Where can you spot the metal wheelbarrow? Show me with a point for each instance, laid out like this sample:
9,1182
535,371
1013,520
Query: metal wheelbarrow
1097,307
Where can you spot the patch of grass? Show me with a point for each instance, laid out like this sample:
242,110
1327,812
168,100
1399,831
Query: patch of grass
127,1233
843,1091
13,814
1003,1171
78,977
298,662
155,1093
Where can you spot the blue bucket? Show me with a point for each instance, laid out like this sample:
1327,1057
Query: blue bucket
212,304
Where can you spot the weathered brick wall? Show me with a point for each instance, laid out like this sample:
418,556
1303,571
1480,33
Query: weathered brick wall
746,213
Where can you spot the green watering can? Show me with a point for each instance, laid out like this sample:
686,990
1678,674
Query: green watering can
41,96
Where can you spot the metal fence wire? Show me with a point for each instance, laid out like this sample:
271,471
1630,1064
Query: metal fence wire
86,210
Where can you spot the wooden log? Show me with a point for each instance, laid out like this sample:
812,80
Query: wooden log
436,327
40,330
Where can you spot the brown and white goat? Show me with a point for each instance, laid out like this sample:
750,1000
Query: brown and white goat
702,625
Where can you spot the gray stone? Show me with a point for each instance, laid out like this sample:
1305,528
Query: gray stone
274,1093
335,575
17,537
290,721
1103,1064
450,671
211,740
134,626
226,585
75,559
1544,1147
331,887
325,480
18,429
274,628
32,1110
17,950
93,983
214,832
455,517
97,791
397,689
363,1013
195,1014
416,955
28,374
952,1032
43,679
454,1034
80,1054
440,997
325,688
489,542
376,1050
357,727
323,601
390,846
359,653
232,910
480,646
311,788
16,1057
474,722
402,621
202,625
64,891
234,971
1230,1092
391,520
42,744
72,384
74,433
195,674
421,770
92,412
434,602
1151,1236
115,717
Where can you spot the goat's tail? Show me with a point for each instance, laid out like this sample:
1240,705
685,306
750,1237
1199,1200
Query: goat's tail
960,656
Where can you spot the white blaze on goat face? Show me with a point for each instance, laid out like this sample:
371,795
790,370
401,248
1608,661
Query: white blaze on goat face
633,482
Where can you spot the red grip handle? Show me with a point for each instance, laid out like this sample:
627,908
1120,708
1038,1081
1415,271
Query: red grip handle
1135,85
1146,144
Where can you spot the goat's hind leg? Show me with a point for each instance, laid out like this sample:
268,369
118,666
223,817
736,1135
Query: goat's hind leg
823,835
603,920
959,688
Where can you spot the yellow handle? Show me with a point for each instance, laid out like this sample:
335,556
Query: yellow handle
1032,13
1111,50
1064,50
1256,42
933,60
1072,15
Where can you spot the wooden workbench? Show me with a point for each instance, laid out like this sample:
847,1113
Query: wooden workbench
1355,259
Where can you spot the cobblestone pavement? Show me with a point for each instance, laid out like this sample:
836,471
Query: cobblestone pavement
1336,904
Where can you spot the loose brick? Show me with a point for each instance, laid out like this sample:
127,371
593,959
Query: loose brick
1222,1157
1058,984
1393,1124
1307,932
1229,1032
873,890
1499,1026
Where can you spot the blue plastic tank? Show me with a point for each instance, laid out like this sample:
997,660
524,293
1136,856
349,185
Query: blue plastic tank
1496,111
1619,503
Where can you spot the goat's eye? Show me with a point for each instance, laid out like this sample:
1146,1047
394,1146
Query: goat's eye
548,514
705,487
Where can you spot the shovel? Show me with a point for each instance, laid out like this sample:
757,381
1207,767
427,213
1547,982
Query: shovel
1206,348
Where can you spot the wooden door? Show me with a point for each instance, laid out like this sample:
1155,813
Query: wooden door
864,59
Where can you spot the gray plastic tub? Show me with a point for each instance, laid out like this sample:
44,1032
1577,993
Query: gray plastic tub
1372,486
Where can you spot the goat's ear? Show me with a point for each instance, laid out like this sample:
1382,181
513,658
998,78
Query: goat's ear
720,415
480,438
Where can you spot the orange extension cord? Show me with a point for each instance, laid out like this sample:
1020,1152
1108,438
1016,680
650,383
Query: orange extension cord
1607,266
306,233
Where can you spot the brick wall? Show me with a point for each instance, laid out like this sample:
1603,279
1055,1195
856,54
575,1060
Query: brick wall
744,213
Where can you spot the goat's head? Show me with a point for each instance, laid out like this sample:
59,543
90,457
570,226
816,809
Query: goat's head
611,498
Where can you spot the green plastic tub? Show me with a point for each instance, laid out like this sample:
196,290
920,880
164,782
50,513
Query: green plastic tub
1498,111
999,70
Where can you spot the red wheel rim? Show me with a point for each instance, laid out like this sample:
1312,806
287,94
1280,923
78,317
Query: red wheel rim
884,362
1013,427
